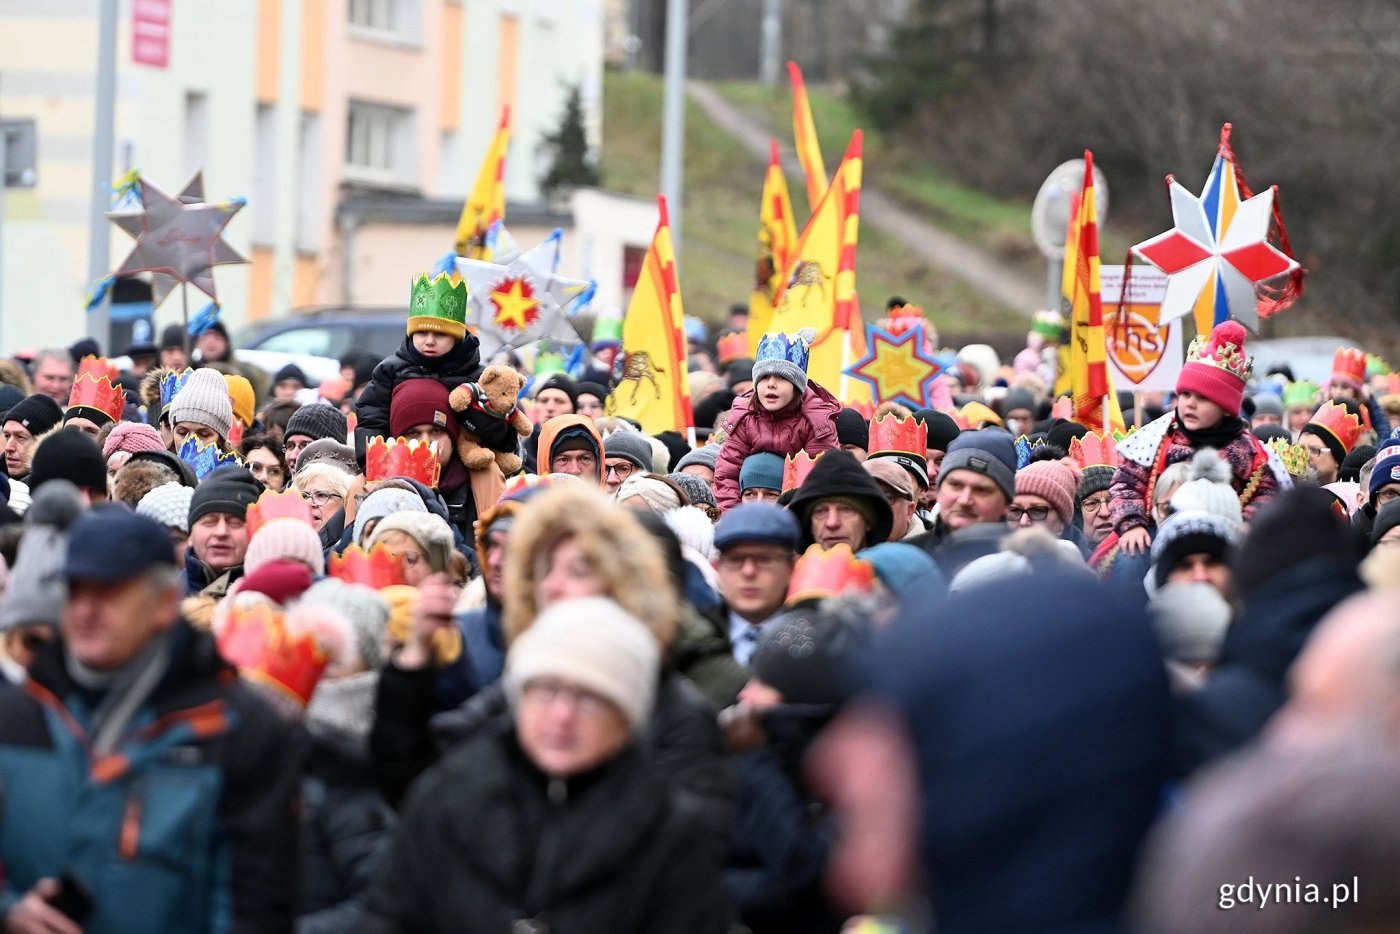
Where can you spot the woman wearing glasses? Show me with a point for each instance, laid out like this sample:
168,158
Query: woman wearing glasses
324,488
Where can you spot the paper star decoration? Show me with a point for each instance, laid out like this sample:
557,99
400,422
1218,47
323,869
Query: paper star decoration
178,239
517,298
896,367
1219,251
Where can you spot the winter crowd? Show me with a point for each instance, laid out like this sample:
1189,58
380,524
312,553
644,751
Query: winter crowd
443,646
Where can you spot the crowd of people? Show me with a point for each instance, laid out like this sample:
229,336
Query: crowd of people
280,656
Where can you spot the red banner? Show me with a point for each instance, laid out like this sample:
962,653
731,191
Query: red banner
150,32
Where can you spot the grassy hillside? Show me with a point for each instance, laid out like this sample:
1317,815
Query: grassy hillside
720,221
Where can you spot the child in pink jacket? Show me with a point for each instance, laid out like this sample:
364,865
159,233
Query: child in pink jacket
784,412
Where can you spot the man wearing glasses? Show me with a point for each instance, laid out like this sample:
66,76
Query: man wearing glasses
1093,502
756,544
624,453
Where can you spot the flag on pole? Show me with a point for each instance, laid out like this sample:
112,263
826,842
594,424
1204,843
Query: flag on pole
820,287
653,387
487,202
1095,404
777,239
809,149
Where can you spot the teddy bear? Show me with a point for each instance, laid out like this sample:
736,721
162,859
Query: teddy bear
495,393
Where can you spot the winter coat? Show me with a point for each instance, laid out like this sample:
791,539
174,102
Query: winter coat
551,430
201,581
703,654
1250,468
484,642
808,424
346,830
1248,685
188,825
491,844
460,365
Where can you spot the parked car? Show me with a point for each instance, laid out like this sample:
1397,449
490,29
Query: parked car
332,332
1308,357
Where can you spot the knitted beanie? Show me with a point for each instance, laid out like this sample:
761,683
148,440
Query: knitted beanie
1295,527
562,383
242,398
1268,403
1056,482
941,428
659,495
1351,465
594,643
421,402
707,456
38,591
631,446
36,414
168,504
317,421
132,437
385,502
229,490
1191,533
697,491
1208,488
1386,472
1190,619
10,396
1095,479
809,657
1216,369
431,532
852,429
291,539
761,471
363,607
990,452
693,529
204,401
68,455
779,355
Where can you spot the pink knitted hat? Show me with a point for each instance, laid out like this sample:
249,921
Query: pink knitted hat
285,538
132,437
1056,482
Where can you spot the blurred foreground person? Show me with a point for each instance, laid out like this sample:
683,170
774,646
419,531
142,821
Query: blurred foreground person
551,816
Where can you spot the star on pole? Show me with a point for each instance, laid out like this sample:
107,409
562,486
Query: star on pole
896,367
516,306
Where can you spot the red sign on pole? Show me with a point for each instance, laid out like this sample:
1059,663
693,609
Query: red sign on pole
150,32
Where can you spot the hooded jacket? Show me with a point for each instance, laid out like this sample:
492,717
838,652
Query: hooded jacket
552,429
838,473
807,424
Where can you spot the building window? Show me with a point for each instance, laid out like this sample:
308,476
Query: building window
379,143
397,19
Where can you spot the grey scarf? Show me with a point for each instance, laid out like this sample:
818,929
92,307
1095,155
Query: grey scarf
123,690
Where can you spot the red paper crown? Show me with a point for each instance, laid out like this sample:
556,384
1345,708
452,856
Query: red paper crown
378,568
1349,364
731,347
796,469
892,434
829,572
1095,450
1339,423
272,506
93,388
902,318
259,641
399,457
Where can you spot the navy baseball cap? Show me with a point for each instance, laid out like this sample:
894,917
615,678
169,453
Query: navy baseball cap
112,544
765,523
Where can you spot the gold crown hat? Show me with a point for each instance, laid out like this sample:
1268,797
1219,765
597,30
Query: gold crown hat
1217,367
438,304
1293,456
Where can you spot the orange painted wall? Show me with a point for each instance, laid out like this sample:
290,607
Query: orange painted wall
269,49
450,115
260,283
313,55
508,63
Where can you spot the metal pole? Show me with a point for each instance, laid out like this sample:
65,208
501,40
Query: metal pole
99,233
673,117
4,143
770,47
1053,280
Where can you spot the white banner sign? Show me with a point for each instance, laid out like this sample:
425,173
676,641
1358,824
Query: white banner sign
1144,355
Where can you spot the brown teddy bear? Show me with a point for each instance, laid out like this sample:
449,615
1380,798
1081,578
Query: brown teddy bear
495,394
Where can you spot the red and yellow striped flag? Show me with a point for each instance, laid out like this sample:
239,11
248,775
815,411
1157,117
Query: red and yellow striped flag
804,131
777,239
1088,358
820,287
487,201
655,386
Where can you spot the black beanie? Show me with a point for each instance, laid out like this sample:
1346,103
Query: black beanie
810,656
228,490
1387,519
318,421
1352,464
942,430
1062,431
1267,433
10,397
676,447
37,414
1293,528
852,428
589,388
562,383
172,336
68,455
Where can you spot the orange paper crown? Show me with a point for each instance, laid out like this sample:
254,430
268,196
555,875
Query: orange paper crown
796,468
93,388
265,649
1095,450
893,435
272,506
902,318
732,347
1349,365
378,568
1339,423
399,457
829,572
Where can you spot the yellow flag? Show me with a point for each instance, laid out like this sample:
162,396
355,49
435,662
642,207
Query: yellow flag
820,291
487,202
1090,382
809,148
777,238
654,389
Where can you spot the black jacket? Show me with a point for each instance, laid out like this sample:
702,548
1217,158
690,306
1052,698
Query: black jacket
489,842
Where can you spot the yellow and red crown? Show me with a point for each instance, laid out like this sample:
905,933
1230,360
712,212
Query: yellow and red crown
266,649
94,388
1223,349
796,468
903,318
272,506
377,568
1293,456
829,572
892,434
1095,450
1339,423
1349,365
400,457
732,347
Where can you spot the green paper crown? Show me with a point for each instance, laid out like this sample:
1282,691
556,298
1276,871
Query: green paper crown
1300,393
1376,365
607,331
438,304
548,363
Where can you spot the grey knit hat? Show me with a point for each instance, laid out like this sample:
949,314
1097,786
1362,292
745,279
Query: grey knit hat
696,490
706,456
1095,479
331,452
204,401
990,452
363,607
318,421
37,589
631,446
431,532
385,502
169,505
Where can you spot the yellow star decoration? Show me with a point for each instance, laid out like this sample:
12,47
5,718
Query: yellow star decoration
895,367
516,308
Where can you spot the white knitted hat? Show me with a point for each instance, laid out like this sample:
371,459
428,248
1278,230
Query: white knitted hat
1190,620
168,504
204,400
286,538
1208,488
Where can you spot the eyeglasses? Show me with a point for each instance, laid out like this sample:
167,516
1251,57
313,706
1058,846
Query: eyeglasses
546,693
1091,506
1315,452
320,497
1037,513
760,562
623,470
1387,496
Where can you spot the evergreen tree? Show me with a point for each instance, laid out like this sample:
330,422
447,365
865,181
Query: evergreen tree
570,163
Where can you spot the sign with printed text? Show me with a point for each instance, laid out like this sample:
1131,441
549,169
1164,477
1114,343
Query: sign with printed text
150,32
1145,354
